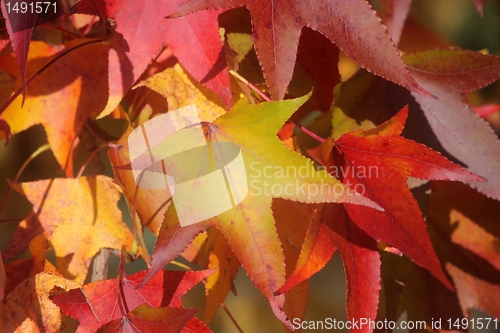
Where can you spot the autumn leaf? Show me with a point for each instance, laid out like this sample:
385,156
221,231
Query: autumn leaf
319,57
195,41
21,269
28,308
353,27
150,320
395,158
449,75
351,229
71,81
249,227
448,124
226,265
81,217
465,222
105,301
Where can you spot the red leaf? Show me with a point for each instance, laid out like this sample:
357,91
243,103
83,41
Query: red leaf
353,26
377,162
105,302
317,250
142,31
146,319
320,59
361,265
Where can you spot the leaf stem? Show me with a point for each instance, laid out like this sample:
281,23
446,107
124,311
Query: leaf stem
37,152
91,156
47,65
249,84
97,135
10,220
181,265
231,317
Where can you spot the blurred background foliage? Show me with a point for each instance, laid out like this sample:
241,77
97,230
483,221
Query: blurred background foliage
455,22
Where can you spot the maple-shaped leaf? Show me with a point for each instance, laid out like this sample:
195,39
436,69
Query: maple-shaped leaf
145,319
330,229
353,229
392,159
28,308
352,25
450,75
466,225
141,33
448,124
81,216
290,217
72,82
105,301
249,226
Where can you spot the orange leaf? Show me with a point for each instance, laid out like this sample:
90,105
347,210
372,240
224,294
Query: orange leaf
81,217
28,308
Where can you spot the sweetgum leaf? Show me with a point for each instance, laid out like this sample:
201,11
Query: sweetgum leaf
466,224
105,303
331,229
145,319
277,25
392,158
81,216
290,217
226,266
319,58
449,74
28,308
21,269
142,32
249,227
73,81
